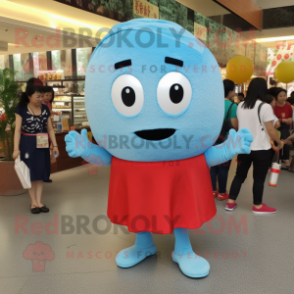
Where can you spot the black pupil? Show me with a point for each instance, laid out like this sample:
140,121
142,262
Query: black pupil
128,96
176,93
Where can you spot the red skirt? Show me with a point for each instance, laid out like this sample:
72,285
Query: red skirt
160,196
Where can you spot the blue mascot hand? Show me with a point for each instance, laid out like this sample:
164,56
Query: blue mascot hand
77,144
239,142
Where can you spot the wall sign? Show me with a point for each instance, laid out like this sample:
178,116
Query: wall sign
200,31
145,9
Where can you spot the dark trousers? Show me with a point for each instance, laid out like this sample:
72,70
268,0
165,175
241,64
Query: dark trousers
261,160
222,172
285,133
285,152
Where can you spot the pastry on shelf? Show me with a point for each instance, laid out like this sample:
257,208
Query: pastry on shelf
61,106
59,76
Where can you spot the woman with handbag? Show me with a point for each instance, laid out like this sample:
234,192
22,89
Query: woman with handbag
259,119
32,129
221,171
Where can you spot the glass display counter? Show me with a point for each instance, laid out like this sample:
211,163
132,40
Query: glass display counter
71,107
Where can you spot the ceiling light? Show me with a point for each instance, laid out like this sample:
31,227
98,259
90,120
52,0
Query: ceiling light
274,39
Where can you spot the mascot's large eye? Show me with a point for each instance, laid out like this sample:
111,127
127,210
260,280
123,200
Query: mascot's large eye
127,95
174,93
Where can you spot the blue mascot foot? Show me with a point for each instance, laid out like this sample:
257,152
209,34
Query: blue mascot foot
133,255
191,265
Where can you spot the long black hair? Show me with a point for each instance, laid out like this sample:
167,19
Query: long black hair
290,100
257,90
49,89
275,91
33,85
228,87
268,98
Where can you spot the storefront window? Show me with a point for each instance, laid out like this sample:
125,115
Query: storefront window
17,66
56,60
40,62
83,57
66,62
2,61
21,64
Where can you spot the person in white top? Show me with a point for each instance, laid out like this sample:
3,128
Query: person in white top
248,114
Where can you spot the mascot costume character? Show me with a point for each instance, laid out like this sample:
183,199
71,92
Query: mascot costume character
155,104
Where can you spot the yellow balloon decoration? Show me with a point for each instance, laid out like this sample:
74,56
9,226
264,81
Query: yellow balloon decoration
240,69
285,72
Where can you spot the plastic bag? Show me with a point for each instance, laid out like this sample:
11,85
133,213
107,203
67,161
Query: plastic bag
23,173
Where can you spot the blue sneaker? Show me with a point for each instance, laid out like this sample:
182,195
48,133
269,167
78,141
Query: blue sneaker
133,255
191,265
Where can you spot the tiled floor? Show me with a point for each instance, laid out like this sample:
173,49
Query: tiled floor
255,258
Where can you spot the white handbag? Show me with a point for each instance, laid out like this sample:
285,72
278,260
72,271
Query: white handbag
23,173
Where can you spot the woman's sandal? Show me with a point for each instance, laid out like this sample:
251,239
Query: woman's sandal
285,167
35,210
44,209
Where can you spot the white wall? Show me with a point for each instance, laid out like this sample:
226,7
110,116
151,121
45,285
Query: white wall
209,8
205,7
265,4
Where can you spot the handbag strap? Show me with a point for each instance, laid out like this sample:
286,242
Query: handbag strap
258,111
229,111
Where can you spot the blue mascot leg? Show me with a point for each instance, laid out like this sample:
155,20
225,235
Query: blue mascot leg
143,248
190,264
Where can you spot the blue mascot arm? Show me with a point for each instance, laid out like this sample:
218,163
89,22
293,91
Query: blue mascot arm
237,143
79,146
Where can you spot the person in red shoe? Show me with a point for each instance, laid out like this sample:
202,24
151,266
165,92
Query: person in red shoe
220,172
259,118
284,113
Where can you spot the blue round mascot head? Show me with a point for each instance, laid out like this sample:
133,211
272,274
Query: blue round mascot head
153,92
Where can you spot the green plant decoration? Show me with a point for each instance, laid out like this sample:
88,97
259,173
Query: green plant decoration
9,97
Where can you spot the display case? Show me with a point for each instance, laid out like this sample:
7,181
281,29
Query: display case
68,86
71,107
79,111
62,109
71,92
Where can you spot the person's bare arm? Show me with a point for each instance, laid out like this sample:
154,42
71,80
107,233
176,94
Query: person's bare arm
17,135
273,134
277,124
288,141
235,124
287,121
52,136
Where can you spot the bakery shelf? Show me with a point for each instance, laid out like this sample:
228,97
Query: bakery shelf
60,109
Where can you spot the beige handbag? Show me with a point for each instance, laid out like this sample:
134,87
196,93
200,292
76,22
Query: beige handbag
23,173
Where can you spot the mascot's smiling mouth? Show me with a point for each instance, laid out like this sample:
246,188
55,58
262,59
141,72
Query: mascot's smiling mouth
156,134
